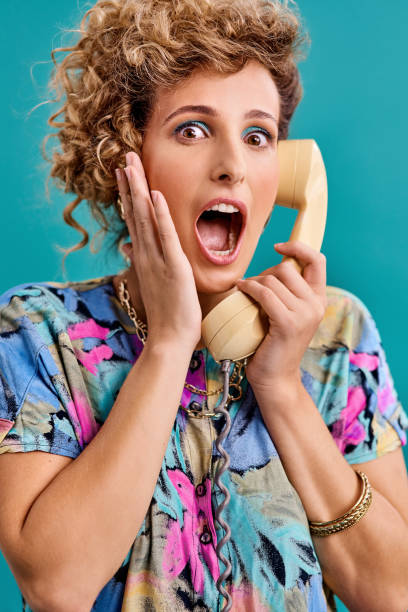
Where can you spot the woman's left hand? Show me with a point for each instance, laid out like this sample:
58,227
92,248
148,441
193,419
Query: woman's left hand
295,305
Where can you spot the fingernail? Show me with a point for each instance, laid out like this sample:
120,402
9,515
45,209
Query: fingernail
128,158
279,244
118,175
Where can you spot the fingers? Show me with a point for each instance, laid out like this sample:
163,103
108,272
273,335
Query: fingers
169,240
126,198
282,288
306,286
283,292
141,214
287,280
313,262
150,224
270,302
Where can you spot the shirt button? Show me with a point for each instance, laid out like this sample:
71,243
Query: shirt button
200,490
205,538
195,406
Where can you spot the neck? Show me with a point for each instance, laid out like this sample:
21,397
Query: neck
129,276
207,300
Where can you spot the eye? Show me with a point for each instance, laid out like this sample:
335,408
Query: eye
190,130
258,137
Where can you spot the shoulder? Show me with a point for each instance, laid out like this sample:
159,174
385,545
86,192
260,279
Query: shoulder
53,290
36,346
347,323
34,316
345,301
49,302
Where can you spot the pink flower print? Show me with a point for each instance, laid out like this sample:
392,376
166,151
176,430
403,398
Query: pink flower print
364,360
5,426
82,417
184,544
90,359
90,329
348,430
386,397
87,329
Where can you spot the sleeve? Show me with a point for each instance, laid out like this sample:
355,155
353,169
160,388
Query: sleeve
372,421
33,415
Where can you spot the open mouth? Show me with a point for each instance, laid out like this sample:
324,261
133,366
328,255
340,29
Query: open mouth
219,231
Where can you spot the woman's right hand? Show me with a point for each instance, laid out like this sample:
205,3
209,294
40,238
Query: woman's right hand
165,278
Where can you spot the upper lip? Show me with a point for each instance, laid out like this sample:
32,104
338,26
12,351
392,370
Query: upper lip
237,203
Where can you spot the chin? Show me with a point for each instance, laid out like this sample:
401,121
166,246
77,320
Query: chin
219,282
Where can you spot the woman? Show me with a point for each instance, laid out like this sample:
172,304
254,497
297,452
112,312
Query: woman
114,507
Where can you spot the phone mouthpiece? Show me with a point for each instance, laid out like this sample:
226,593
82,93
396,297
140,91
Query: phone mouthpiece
234,328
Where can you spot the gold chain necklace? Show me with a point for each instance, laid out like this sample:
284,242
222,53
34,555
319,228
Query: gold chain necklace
141,331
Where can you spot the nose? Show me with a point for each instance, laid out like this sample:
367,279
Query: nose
229,164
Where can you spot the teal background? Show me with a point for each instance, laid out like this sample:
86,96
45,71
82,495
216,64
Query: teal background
355,82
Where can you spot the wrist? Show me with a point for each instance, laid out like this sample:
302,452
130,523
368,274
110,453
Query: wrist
172,344
280,391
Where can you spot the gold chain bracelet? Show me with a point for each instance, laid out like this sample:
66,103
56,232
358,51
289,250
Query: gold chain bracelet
351,517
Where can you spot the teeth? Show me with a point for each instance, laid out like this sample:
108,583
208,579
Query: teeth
222,252
232,236
232,240
224,208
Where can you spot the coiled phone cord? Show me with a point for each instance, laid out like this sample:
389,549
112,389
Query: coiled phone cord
221,468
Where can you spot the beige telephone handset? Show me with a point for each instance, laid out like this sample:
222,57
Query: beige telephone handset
236,326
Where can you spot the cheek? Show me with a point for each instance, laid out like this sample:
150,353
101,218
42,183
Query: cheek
268,175
174,179
264,192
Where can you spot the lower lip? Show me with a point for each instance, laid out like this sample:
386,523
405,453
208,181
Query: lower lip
221,260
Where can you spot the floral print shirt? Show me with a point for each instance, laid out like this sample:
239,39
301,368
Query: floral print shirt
65,350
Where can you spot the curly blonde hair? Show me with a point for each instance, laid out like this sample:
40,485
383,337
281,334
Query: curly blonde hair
126,50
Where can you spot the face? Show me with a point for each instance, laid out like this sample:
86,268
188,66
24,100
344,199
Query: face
223,151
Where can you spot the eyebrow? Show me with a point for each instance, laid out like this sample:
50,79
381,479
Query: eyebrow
208,110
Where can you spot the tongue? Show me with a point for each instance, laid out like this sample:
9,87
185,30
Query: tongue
214,233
